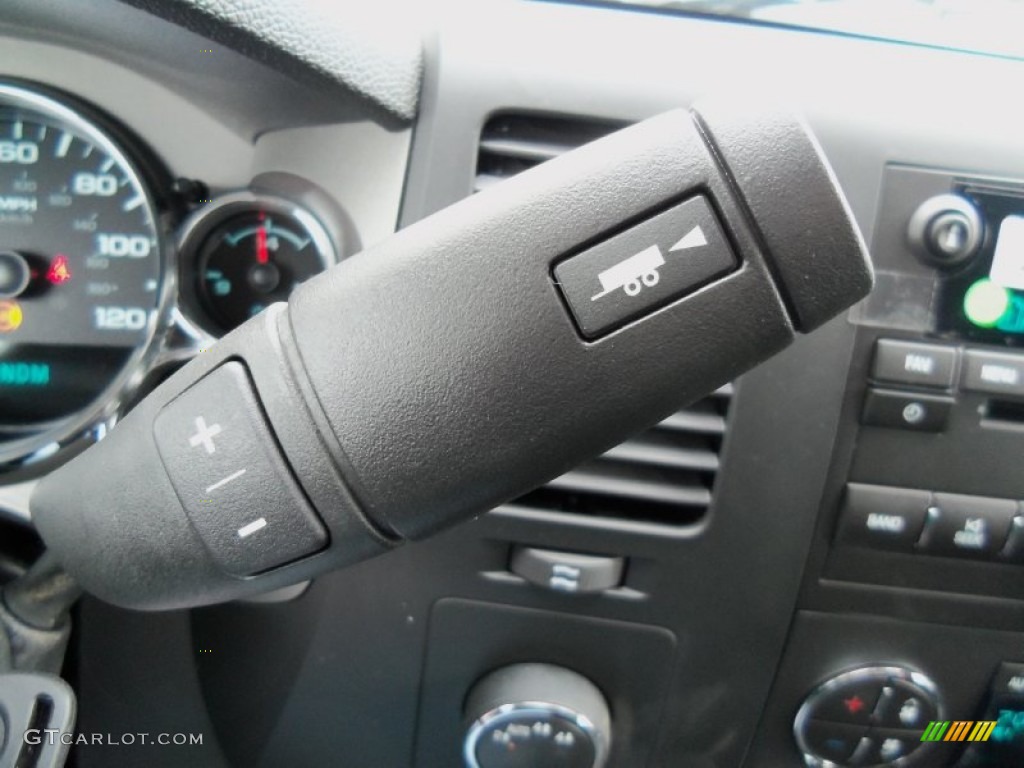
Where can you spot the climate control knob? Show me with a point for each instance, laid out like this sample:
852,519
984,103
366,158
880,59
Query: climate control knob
529,715
869,716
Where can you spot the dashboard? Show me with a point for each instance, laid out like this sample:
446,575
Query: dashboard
148,191
821,563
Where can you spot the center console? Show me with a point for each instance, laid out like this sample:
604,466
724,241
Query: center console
900,654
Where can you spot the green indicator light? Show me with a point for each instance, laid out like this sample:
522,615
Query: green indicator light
24,374
985,302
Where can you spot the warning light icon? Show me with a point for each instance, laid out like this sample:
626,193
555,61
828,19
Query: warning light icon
10,316
58,272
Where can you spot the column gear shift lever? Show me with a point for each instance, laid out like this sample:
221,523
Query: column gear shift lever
464,361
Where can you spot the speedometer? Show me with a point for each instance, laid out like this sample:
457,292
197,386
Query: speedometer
81,266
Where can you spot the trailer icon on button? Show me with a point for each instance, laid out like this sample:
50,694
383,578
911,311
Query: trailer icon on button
628,274
655,262
643,268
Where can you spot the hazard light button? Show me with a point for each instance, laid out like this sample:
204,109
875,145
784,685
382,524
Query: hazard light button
647,266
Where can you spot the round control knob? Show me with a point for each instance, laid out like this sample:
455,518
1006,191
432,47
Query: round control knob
868,717
946,230
536,714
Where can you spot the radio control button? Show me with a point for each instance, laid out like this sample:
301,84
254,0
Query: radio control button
906,410
1014,549
905,362
967,526
994,373
885,518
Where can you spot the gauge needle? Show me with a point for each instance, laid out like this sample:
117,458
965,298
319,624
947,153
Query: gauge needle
261,246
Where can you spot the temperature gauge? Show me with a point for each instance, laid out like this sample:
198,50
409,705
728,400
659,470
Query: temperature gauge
250,252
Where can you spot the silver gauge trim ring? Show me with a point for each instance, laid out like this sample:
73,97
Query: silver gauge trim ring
539,709
102,413
203,221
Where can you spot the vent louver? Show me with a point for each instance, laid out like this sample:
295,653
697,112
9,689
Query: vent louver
664,476
510,144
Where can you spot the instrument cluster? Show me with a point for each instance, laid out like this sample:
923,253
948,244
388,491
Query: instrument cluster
112,271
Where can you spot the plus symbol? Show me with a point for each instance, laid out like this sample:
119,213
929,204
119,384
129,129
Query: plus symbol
204,435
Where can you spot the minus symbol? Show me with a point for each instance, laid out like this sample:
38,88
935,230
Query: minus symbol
251,528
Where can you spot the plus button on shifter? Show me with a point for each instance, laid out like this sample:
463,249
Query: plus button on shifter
238,492
204,435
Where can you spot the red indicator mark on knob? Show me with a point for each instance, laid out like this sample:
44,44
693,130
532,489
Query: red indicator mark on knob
854,704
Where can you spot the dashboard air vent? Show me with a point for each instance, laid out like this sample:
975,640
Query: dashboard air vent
664,476
511,143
